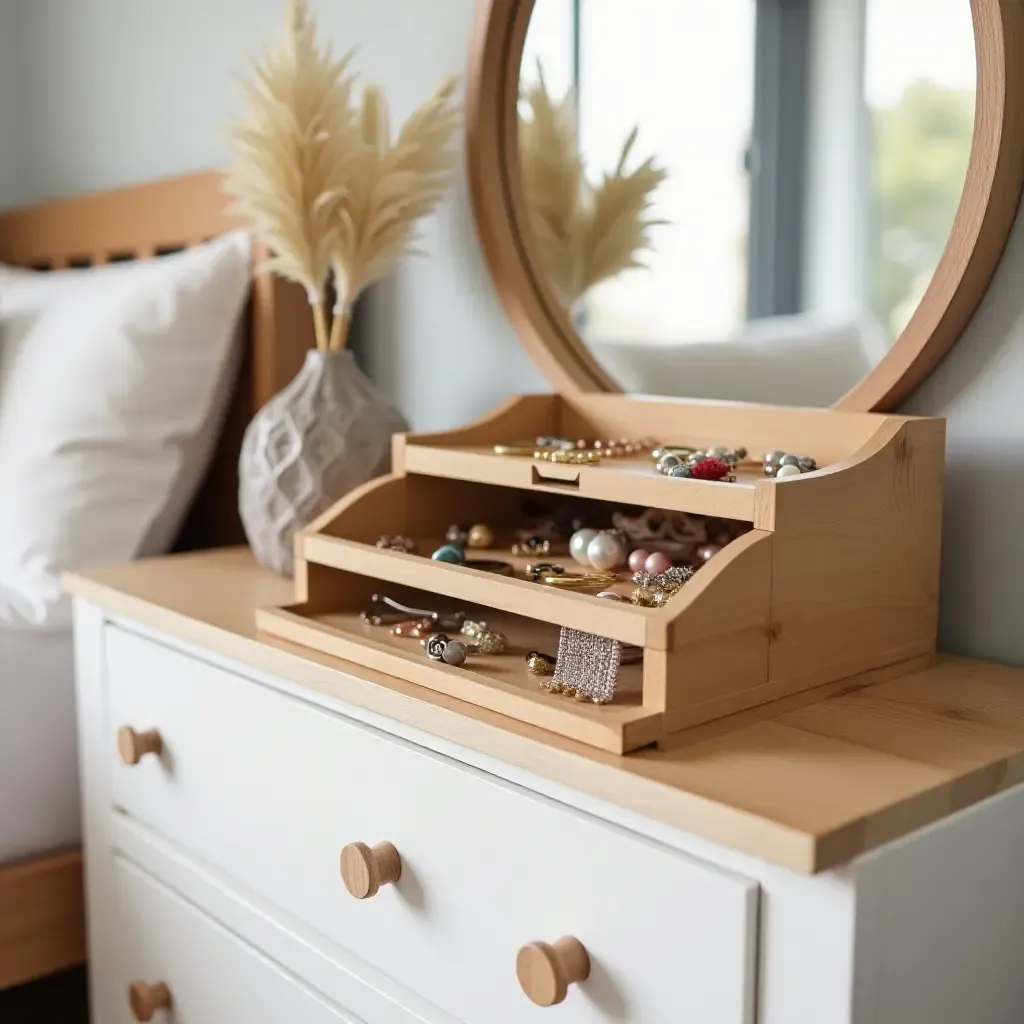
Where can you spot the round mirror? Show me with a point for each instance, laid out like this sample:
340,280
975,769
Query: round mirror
783,201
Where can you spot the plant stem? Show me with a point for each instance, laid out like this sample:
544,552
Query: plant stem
339,331
320,325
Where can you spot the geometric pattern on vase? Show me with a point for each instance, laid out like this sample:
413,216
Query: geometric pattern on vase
323,435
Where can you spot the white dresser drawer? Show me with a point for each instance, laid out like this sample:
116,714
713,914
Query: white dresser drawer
166,947
270,789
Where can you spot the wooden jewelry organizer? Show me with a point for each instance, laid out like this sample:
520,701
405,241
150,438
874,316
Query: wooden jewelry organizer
838,576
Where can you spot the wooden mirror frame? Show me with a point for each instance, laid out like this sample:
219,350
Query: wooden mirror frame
987,210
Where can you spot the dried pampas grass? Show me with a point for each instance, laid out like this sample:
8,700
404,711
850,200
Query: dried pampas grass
585,233
618,228
392,185
554,184
318,176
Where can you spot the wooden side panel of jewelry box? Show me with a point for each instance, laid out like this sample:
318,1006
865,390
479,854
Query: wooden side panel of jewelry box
838,578
853,556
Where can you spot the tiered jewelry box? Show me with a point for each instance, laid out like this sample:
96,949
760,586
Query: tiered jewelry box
836,577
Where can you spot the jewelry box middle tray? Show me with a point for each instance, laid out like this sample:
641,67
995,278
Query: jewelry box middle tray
830,577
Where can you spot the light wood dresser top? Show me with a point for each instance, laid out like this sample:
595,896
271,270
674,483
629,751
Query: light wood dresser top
810,788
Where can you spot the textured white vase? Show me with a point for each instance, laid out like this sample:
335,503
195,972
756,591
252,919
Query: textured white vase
327,432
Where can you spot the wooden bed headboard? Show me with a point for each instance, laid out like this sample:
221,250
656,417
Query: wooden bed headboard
153,219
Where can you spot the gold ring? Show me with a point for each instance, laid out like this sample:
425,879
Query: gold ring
588,580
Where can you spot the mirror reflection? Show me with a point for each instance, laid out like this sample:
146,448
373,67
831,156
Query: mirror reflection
743,199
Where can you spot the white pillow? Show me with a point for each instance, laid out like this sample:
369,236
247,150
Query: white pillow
102,401
784,360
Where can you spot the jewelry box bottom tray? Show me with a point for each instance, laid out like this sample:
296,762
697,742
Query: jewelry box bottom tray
499,683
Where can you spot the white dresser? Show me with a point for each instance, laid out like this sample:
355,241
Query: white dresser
223,777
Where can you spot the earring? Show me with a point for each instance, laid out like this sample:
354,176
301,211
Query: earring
587,666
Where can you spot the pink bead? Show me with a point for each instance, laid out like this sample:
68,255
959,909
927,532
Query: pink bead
638,559
657,563
708,551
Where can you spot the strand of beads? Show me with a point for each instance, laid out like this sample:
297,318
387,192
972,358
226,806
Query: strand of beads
580,451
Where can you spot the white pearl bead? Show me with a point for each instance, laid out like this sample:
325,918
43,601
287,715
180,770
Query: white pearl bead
606,552
784,471
578,544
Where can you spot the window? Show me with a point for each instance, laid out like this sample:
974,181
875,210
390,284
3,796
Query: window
816,151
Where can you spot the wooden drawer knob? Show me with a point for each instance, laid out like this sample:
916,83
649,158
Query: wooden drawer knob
133,746
546,972
364,869
146,999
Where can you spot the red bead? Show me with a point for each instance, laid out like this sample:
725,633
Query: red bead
710,469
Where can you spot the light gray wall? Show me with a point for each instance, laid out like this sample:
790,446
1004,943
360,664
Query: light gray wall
11,107
122,90
118,91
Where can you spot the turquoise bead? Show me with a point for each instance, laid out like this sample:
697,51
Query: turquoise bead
449,553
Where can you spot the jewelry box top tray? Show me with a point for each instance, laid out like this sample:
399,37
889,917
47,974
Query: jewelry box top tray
831,438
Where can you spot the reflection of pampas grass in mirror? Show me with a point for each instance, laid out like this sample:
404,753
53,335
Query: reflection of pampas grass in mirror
553,182
585,233
319,178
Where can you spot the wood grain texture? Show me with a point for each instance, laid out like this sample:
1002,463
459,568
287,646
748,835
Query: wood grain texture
364,869
42,917
810,788
546,971
857,548
987,210
717,654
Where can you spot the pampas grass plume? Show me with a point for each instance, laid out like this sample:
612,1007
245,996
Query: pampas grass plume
319,178
585,233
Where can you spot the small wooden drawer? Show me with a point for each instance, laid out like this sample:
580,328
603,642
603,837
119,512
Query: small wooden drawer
836,576
500,683
172,963
283,796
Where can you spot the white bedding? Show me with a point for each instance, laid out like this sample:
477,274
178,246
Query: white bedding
38,756
113,387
